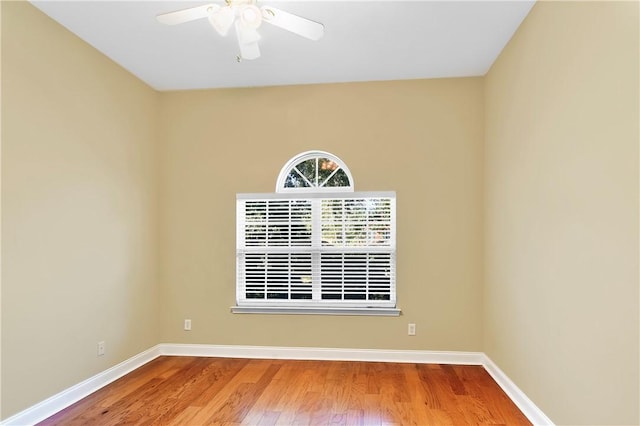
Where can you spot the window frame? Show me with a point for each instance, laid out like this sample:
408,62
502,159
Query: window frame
308,155
369,244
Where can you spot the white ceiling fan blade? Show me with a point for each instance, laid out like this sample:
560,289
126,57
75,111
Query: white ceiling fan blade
248,42
296,24
186,15
222,20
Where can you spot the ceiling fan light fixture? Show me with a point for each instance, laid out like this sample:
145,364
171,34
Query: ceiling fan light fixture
250,16
222,20
247,35
248,42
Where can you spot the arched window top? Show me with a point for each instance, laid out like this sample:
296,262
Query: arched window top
315,171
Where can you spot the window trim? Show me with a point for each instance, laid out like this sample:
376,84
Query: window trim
316,306
316,310
308,155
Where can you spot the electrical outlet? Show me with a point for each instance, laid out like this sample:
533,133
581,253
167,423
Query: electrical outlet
187,324
412,329
102,347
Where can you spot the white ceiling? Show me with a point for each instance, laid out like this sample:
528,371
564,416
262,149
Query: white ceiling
363,41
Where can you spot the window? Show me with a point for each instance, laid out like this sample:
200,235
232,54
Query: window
315,171
316,246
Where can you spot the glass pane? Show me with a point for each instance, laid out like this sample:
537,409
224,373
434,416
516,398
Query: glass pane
301,268
379,210
255,276
331,234
278,276
331,271
379,277
294,180
376,295
300,223
278,234
355,210
301,235
298,293
332,228
278,211
380,234
301,210
355,276
325,168
301,278
255,235
308,169
314,170
339,179
255,211
331,210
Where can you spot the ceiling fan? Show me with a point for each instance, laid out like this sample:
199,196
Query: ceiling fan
247,17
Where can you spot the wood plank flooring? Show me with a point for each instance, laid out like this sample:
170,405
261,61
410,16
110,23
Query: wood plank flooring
204,391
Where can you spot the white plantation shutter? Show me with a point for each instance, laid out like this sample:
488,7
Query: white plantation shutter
334,250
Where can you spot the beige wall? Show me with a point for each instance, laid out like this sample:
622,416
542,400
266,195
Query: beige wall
561,196
422,139
79,225
119,208
79,210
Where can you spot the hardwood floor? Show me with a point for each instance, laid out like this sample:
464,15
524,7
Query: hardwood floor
202,391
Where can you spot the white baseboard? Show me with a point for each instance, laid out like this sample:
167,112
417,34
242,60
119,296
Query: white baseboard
528,408
69,396
324,354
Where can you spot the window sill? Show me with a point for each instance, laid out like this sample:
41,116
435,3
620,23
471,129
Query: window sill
378,312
